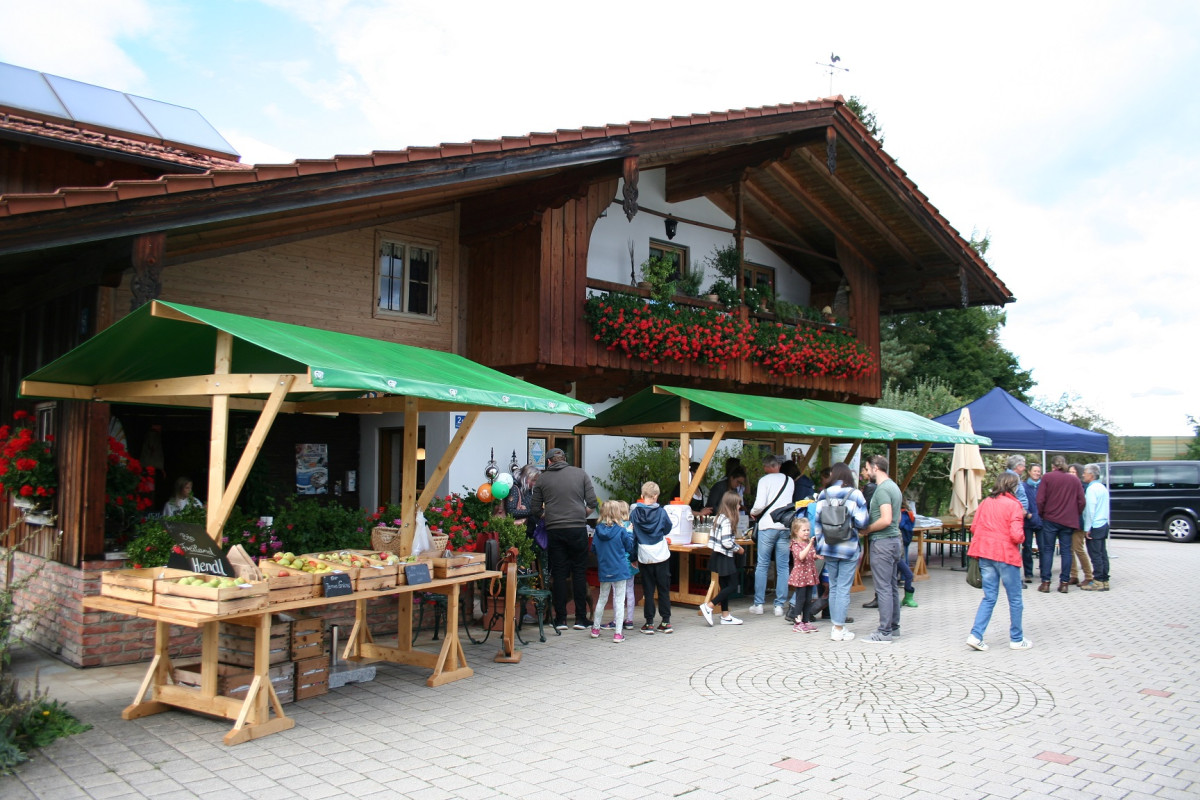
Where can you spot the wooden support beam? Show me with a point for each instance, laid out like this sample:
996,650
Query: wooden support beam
685,414
665,429
853,449
705,461
893,456
408,456
202,385
257,437
432,481
815,207
812,451
219,438
912,470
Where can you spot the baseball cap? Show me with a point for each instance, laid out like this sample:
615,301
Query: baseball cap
555,454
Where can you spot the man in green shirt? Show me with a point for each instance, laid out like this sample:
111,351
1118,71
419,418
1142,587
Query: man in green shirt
886,549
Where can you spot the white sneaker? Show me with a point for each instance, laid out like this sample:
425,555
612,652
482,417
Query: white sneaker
779,611
755,609
730,621
1024,644
843,635
707,612
976,643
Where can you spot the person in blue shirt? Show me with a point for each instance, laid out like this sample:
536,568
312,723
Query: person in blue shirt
1033,522
1095,526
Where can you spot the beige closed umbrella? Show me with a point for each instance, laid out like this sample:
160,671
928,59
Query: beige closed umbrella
966,473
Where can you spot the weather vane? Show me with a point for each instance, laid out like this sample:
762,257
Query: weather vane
833,68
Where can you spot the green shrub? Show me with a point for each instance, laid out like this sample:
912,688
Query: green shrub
637,462
46,721
510,534
308,526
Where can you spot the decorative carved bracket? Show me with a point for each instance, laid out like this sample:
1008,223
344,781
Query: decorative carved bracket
630,192
147,259
831,150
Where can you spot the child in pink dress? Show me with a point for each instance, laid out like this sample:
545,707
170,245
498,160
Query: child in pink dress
803,576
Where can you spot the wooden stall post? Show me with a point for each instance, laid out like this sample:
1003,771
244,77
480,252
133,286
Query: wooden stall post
685,441
219,438
509,654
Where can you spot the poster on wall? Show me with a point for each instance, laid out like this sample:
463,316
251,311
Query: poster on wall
537,452
312,469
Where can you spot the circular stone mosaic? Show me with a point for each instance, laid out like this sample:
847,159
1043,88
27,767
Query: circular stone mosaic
871,692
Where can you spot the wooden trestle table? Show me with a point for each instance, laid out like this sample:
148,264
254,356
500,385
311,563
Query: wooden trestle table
684,593
252,715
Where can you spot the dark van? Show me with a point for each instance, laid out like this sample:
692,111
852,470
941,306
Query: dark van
1155,496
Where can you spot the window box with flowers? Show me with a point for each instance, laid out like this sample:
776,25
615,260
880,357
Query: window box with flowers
27,467
658,332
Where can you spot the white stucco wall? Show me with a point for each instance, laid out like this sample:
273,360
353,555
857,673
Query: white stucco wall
608,252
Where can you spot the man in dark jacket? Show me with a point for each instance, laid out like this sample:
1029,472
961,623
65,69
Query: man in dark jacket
1033,523
564,496
1059,503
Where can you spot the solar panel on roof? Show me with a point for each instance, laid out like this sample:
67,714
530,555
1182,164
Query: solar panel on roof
24,88
62,98
179,124
99,106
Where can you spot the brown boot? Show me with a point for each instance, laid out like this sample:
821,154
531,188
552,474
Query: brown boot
1074,581
1045,587
1062,587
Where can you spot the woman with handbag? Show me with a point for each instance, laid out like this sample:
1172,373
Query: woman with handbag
996,538
839,514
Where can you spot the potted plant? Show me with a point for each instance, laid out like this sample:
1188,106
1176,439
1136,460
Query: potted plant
726,262
724,292
658,272
786,311
27,469
690,283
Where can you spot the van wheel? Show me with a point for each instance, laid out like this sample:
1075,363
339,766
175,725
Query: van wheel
1181,528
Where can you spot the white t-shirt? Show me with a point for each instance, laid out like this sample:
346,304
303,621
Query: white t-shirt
769,486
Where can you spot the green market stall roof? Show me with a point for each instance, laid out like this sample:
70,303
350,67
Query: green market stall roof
163,353
659,411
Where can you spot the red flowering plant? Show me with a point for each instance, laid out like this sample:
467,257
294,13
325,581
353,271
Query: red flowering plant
464,518
662,331
27,468
128,490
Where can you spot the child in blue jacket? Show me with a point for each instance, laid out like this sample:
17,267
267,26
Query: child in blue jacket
613,543
650,527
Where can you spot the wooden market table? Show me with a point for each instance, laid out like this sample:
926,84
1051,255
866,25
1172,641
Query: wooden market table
684,594
252,715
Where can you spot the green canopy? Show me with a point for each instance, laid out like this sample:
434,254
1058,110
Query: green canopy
660,405
168,340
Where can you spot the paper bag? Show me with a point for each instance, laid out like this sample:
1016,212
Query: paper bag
243,565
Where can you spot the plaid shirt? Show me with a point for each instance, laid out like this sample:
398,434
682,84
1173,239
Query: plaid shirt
859,511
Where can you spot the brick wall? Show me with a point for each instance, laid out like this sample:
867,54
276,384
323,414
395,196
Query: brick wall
100,639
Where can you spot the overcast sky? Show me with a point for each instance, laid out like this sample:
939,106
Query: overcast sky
1066,130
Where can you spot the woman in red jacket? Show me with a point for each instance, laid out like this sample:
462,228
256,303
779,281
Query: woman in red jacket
996,538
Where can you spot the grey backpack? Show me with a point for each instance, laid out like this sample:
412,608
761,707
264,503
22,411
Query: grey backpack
835,521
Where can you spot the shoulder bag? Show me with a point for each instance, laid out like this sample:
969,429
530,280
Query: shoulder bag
754,527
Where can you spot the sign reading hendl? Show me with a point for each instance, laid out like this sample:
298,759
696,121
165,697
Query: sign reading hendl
194,551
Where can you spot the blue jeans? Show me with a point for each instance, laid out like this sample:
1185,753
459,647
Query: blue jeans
841,578
777,542
994,573
1053,532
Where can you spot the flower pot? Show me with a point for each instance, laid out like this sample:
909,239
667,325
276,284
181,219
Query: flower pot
35,514
712,298
645,286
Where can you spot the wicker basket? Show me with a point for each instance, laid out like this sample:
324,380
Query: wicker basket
391,540
440,542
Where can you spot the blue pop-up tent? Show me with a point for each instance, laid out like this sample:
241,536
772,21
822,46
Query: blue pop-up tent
1016,428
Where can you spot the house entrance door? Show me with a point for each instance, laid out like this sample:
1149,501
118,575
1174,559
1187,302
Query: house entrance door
391,463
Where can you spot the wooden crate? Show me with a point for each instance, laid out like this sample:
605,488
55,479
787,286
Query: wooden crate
377,575
308,638
312,677
234,681
458,564
205,600
136,585
353,572
235,644
288,584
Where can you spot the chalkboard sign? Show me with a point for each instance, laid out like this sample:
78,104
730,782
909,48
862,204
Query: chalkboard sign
195,551
337,583
417,573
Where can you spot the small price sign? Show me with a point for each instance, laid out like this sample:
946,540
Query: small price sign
336,584
417,573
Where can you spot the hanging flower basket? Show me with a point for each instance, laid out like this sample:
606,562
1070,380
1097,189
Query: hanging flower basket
27,468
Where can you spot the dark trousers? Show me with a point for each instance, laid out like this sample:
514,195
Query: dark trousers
568,553
1027,551
656,576
802,602
722,597
1051,533
1098,553
906,573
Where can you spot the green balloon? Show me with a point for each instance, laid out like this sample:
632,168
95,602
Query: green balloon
500,490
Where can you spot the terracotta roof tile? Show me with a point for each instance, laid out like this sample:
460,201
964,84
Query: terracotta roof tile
315,166
130,190
353,162
385,158
88,195
234,176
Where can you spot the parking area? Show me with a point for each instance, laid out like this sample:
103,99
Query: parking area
1107,704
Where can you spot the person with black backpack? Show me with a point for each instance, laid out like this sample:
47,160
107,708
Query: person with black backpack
841,511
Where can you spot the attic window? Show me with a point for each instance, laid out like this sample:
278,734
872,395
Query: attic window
407,278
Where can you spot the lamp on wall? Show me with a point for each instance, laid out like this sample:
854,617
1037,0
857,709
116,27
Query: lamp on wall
672,225
420,454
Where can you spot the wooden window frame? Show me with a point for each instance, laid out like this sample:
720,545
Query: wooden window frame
676,249
385,239
751,272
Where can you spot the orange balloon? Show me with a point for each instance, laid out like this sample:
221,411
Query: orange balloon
485,492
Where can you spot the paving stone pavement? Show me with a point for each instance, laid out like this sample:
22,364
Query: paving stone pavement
1106,705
